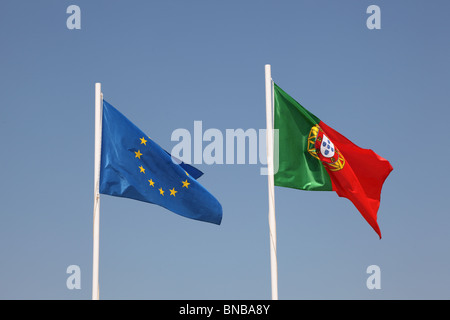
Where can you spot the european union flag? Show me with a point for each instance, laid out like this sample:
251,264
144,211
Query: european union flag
134,166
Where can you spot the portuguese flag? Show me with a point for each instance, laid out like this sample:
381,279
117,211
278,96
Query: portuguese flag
313,156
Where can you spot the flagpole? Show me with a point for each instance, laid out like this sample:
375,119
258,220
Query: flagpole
97,159
270,173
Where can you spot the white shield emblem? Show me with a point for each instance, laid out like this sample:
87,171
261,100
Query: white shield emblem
327,147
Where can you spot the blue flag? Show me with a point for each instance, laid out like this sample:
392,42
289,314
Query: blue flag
134,166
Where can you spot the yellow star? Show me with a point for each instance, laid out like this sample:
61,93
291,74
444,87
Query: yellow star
138,154
187,174
142,169
143,141
185,184
151,182
161,191
172,192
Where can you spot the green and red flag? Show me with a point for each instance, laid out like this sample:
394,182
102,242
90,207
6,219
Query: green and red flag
313,156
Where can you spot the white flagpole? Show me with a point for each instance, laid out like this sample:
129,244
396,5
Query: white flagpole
270,147
97,159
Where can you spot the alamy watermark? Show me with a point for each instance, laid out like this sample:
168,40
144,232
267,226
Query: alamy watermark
234,146
74,280
374,280
374,20
74,20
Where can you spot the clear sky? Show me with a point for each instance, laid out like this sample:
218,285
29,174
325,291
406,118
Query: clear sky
166,64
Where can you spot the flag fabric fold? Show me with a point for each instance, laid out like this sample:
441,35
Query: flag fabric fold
313,156
134,166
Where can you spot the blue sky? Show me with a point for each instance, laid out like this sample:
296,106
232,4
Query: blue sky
167,64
